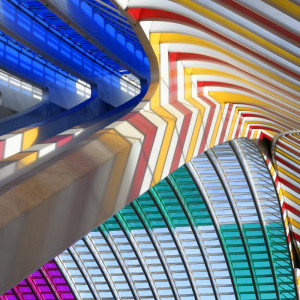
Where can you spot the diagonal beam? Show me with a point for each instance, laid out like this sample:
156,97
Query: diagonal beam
84,271
118,256
162,210
204,194
96,255
225,184
63,270
198,237
155,242
134,245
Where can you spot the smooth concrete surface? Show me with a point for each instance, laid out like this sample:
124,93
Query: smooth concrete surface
51,210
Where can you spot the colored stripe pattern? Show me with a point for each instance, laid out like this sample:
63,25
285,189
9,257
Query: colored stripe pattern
147,249
227,69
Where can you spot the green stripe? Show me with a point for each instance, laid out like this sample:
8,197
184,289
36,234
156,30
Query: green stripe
230,237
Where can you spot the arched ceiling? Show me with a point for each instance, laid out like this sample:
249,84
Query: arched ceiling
211,230
226,69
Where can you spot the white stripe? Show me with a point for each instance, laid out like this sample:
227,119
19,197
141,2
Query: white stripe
164,74
174,139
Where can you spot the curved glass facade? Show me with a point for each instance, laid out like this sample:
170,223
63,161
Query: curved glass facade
210,230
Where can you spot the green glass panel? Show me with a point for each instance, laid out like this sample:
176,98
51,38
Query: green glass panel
230,237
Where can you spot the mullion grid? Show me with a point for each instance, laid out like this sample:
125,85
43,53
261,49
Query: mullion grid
186,238
146,251
111,264
272,218
248,216
207,234
42,285
93,270
162,282
169,250
131,261
75,276
228,226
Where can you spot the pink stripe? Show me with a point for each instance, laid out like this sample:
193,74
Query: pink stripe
208,123
221,140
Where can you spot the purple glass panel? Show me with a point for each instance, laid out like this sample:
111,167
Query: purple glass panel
46,283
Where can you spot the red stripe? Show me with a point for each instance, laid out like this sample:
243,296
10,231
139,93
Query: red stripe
283,208
208,124
290,185
128,116
292,209
1,149
259,18
290,137
67,138
182,136
173,76
55,139
225,123
291,150
154,14
249,133
239,126
191,56
250,115
290,166
273,112
296,236
276,181
149,130
265,128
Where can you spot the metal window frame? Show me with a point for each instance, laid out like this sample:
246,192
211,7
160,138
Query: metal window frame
238,153
162,210
84,272
189,216
214,160
115,251
88,241
152,236
135,247
64,272
190,167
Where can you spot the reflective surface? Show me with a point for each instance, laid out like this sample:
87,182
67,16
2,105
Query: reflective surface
198,234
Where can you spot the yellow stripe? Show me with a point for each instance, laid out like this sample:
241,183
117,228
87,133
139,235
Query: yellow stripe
237,98
239,30
294,223
199,71
255,134
288,156
280,193
286,222
291,197
232,124
29,137
287,6
217,126
288,174
171,121
196,104
154,40
289,142
180,38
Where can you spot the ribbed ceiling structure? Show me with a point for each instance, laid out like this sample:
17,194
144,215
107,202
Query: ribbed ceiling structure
211,230
104,8
221,70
